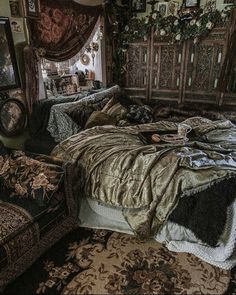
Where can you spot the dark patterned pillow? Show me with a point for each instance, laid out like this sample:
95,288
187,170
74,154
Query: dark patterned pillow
29,178
139,114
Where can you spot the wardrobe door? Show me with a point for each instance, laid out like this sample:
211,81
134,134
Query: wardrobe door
166,70
137,73
202,68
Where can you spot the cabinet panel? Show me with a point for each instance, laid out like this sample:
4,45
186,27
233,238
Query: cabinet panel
166,65
137,75
203,64
183,73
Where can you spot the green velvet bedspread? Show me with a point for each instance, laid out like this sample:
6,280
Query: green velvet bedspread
116,168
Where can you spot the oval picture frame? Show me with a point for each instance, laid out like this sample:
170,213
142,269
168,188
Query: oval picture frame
85,59
13,117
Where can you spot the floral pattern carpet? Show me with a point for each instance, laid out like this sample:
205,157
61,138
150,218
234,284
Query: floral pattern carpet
103,262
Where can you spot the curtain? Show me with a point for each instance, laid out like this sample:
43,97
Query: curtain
63,28
59,33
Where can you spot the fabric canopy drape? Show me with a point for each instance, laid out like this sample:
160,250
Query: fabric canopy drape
63,28
59,33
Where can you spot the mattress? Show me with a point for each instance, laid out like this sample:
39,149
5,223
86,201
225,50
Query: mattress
177,238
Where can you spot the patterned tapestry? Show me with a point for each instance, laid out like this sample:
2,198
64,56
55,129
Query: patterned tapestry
63,28
61,31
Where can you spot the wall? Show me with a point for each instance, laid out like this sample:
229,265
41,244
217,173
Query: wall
96,67
219,5
5,11
19,38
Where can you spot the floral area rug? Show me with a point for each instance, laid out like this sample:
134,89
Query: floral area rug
103,262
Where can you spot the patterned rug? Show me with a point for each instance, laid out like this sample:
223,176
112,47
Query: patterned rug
104,262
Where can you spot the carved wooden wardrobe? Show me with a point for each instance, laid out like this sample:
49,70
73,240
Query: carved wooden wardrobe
180,73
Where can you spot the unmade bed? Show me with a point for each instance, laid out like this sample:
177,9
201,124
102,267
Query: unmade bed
179,194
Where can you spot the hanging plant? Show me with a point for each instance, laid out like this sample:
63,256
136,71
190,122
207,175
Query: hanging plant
126,28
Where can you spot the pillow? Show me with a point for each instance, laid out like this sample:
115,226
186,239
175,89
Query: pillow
99,118
139,114
117,111
112,101
28,178
81,112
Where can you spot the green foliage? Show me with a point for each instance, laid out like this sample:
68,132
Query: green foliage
126,28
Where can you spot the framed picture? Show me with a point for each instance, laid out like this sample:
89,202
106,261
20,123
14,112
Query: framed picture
85,59
17,25
191,3
32,8
13,117
162,7
138,5
173,7
9,74
15,8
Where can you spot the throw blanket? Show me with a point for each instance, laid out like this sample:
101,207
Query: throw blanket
116,168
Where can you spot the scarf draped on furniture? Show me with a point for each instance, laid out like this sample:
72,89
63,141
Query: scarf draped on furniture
60,32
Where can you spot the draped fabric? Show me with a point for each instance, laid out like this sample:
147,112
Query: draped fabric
63,28
59,33
229,59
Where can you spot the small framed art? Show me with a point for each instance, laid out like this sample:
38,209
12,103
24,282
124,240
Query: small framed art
32,8
15,8
162,7
138,5
13,117
191,3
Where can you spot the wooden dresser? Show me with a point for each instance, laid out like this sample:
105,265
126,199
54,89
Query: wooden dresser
179,73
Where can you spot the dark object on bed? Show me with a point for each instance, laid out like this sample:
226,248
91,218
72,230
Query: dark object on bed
29,227
146,136
205,213
139,114
40,140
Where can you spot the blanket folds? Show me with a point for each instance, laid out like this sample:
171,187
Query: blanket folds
116,168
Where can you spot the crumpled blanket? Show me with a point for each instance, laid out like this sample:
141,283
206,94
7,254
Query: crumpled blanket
116,168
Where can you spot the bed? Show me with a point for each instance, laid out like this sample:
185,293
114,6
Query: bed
181,194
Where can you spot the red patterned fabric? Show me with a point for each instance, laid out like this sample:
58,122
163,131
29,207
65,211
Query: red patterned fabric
63,28
60,33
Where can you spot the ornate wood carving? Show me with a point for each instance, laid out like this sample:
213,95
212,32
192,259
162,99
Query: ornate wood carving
166,66
137,76
184,72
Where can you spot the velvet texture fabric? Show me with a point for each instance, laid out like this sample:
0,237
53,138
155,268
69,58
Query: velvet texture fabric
59,34
147,181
